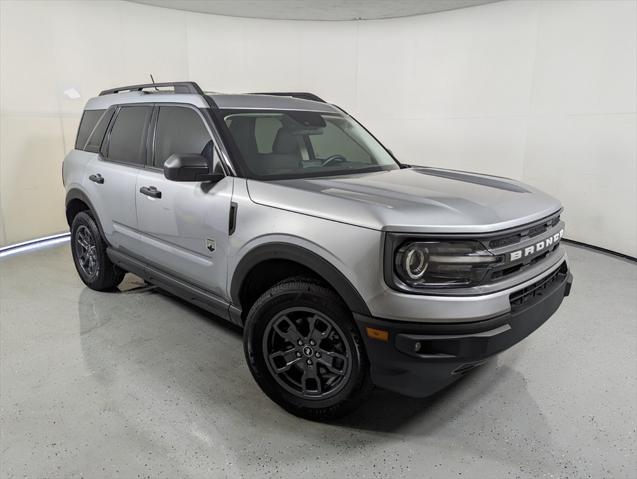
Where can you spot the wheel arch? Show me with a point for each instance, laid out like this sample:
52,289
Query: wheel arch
77,201
306,260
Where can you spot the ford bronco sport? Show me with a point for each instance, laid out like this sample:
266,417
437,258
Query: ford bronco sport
282,214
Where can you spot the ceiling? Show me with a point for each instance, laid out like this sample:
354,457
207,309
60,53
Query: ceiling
315,9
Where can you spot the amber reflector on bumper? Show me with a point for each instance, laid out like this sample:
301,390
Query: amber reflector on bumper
379,334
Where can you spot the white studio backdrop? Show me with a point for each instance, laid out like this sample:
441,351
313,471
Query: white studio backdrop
541,91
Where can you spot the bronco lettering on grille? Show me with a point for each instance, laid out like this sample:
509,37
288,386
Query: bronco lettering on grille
537,247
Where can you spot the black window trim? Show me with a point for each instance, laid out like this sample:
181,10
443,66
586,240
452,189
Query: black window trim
230,167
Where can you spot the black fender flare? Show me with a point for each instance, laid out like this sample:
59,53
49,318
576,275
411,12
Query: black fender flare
304,257
78,194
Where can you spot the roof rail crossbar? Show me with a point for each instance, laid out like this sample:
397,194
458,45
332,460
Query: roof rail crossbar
178,87
294,94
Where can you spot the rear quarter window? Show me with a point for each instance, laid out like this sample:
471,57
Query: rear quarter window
95,139
87,123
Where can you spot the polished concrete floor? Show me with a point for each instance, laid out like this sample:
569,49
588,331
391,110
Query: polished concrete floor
138,384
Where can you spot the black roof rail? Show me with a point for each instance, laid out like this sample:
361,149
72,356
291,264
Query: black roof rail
294,94
178,87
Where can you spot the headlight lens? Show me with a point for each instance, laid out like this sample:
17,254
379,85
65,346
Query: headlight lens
415,261
443,264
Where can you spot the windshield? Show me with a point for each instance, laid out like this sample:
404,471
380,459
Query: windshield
298,144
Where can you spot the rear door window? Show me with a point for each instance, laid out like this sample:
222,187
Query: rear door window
180,130
127,142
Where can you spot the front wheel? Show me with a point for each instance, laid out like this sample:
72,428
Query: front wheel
305,351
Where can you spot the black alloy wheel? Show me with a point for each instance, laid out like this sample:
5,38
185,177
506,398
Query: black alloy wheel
88,247
85,250
306,353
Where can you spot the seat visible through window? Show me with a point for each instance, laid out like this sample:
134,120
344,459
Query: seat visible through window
265,144
286,153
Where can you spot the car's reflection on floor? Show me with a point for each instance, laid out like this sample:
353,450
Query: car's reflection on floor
145,344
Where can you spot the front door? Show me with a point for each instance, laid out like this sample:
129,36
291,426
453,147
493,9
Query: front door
184,225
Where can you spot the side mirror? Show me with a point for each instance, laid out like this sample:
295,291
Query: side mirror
189,167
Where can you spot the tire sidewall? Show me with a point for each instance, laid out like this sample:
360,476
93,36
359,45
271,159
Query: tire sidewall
84,219
301,295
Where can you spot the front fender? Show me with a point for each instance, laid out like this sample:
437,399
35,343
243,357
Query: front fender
298,254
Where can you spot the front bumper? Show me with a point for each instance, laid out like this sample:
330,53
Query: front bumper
419,359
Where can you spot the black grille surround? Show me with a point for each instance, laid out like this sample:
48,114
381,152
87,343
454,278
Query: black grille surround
520,236
538,289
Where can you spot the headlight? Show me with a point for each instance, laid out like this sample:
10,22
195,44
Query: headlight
441,264
414,261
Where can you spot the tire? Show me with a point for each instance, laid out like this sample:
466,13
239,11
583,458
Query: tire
89,255
305,352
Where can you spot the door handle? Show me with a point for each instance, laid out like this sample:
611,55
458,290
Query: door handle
150,191
99,179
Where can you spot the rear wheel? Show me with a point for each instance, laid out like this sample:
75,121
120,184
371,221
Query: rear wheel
89,254
305,352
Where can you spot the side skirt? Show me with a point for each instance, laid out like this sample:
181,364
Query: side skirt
178,287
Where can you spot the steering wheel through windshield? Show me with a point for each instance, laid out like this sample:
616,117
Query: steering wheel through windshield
334,159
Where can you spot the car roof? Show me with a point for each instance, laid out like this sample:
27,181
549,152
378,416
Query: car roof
220,100
269,102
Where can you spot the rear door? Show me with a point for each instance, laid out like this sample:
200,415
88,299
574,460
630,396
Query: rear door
184,225
111,176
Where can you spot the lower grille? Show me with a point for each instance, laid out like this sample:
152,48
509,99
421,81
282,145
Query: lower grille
539,288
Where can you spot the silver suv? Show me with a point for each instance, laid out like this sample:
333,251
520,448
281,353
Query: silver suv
282,214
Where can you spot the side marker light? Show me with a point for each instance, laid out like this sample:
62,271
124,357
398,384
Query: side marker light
379,334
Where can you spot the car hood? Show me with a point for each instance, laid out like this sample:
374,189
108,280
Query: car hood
416,199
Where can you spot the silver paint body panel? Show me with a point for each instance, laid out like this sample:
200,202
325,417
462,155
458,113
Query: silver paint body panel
410,200
105,101
114,201
270,102
357,252
174,228
266,102
343,219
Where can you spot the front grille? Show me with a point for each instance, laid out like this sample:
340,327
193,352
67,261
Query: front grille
538,289
525,234
522,237
506,271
